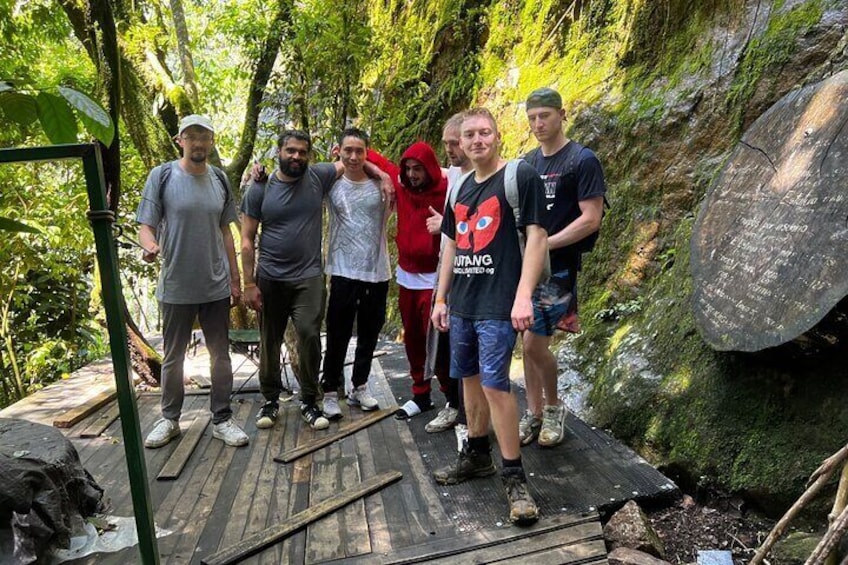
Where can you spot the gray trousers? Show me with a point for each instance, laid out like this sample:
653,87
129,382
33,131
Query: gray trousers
177,321
303,302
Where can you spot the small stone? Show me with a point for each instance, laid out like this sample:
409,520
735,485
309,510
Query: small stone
687,502
627,556
630,528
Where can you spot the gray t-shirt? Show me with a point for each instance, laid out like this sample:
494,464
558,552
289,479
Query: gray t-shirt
357,248
290,217
194,266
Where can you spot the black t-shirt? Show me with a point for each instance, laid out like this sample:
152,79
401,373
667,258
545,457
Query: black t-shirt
487,266
570,175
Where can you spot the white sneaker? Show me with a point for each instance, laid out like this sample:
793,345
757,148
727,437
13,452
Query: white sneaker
445,420
164,431
331,406
461,431
230,433
360,397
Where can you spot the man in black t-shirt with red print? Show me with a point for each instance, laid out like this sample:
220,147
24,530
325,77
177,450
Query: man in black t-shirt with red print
490,286
574,196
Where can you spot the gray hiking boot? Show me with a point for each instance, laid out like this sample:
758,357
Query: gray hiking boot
529,428
469,464
553,425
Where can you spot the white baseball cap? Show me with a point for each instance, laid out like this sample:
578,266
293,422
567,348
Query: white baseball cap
196,120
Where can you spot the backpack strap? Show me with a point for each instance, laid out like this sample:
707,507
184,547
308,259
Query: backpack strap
511,187
165,174
453,191
512,197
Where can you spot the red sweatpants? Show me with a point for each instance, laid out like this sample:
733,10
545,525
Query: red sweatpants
415,315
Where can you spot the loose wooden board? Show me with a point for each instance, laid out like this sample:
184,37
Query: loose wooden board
269,536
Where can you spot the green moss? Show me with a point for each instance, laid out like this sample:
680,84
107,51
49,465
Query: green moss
772,48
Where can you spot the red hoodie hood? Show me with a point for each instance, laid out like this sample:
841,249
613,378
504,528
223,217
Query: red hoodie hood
422,152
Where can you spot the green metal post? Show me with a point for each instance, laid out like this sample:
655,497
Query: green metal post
107,259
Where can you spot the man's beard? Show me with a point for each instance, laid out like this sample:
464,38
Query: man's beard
197,157
286,168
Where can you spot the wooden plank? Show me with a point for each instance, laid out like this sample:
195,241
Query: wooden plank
576,543
236,520
179,457
354,520
102,422
462,542
593,551
257,542
92,405
325,538
344,431
194,517
202,381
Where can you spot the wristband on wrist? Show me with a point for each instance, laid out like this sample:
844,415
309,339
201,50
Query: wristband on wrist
440,301
249,285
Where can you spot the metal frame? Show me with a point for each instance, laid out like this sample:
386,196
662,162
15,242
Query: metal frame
107,258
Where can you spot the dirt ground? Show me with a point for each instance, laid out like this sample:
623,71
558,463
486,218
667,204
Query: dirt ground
688,527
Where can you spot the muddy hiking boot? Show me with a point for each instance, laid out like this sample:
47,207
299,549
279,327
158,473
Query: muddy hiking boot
522,508
469,465
529,428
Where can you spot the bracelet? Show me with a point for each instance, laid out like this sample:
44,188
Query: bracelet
249,285
441,301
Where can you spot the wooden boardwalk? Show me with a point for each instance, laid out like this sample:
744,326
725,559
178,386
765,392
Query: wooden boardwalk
225,494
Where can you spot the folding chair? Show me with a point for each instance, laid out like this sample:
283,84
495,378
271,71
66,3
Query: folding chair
246,343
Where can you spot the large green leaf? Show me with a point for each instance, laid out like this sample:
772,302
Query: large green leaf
95,119
19,108
8,224
56,118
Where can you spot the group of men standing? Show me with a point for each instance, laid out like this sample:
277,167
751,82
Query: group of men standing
472,242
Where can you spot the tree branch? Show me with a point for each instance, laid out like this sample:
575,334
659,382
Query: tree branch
189,76
261,75
819,477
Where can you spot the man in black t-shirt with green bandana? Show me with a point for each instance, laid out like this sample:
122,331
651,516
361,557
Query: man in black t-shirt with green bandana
574,196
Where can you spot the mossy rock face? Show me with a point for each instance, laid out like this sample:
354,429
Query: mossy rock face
794,549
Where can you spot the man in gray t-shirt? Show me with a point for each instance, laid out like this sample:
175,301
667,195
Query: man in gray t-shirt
184,216
288,282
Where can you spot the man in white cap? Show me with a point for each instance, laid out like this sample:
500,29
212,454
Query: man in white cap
184,216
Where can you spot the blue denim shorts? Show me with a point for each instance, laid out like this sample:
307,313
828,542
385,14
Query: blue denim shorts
552,300
482,347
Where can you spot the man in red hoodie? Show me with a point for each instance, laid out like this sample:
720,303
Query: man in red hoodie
420,185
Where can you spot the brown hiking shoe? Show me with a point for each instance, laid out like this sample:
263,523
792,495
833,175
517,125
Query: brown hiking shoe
469,464
522,507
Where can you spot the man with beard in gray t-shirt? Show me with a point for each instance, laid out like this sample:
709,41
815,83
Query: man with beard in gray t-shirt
288,281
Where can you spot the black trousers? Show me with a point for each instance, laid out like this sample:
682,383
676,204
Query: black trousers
349,299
